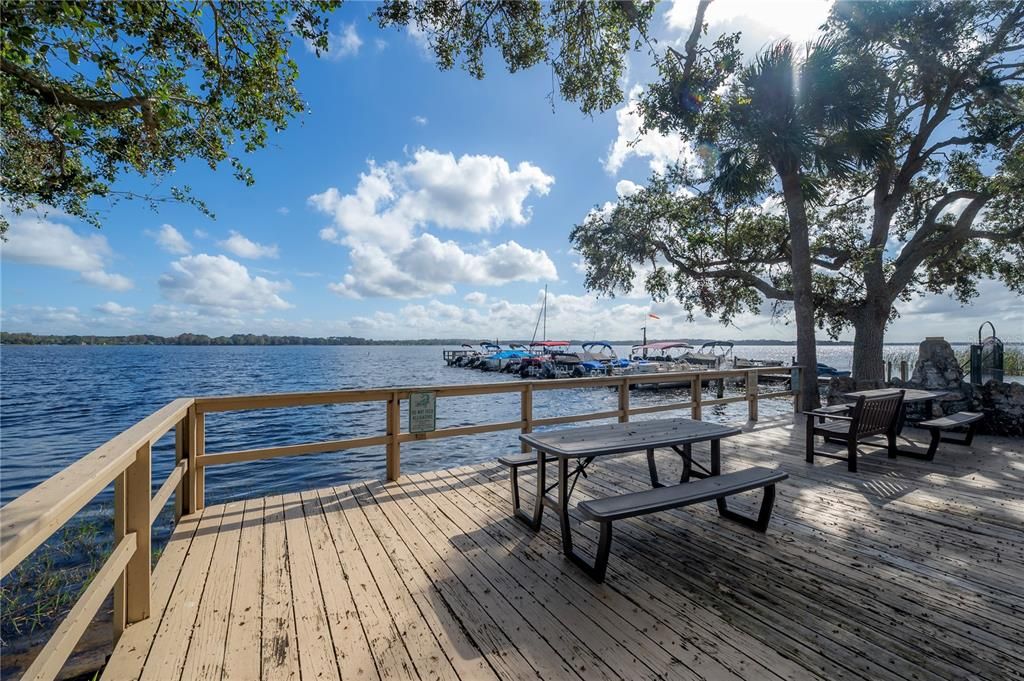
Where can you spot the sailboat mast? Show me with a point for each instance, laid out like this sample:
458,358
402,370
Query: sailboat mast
545,310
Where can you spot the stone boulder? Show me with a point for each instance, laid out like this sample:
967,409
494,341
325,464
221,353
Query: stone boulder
937,367
838,386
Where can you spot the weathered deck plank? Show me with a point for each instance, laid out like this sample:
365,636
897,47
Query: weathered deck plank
906,570
278,645
132,650
242,651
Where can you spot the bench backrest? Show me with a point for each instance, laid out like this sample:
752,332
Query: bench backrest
876,415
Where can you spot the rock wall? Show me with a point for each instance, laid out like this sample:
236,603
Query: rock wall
1003,405
937,369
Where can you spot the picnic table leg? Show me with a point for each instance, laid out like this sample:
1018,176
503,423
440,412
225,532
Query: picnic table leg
597,570
563,504
687,463
933,445
533,521
901,420
652,468
716,469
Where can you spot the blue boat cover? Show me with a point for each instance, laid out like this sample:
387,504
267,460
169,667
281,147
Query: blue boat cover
511,354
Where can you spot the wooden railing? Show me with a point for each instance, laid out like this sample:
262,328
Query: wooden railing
31,519
393,437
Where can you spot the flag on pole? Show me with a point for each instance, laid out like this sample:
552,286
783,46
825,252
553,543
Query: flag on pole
653,316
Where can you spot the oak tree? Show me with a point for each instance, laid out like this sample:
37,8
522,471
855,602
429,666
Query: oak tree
95,93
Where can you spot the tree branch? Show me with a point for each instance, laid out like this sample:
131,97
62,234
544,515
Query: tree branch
688,60
59,94
747,278
923,246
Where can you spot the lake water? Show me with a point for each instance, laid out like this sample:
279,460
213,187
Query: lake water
57,403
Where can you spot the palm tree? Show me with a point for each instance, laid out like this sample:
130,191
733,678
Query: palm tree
786,122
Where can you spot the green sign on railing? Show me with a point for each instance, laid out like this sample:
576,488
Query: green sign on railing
422,412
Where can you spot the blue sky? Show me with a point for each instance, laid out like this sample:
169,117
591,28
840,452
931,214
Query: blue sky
407,203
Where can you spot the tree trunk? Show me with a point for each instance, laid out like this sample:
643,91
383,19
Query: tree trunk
803,291
868,336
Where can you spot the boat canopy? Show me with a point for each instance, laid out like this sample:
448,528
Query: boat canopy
490,347
549,344
664,345
511,354
727,345
596,344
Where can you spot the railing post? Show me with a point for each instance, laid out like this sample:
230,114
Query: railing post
696,393
624,400
795,378
188,481
888,370
752,395
138,492
903,370
120,504
526,413
199,477
180,453
394,425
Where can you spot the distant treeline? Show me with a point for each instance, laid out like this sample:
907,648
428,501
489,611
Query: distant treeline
193,339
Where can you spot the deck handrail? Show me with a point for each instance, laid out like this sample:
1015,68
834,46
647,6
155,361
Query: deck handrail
393,437
126,460
32,518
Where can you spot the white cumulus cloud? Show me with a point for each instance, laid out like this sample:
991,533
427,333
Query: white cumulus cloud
660,150
238,244
430,266
383,221
340,44
115,310
760,22
107,280
171,240
36,240
216,283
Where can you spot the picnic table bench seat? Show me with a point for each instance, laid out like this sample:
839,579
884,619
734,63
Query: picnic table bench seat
514,462
957,421
606,510
518,460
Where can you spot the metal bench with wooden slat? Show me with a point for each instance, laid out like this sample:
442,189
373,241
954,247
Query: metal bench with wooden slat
870,415
716,487
961,419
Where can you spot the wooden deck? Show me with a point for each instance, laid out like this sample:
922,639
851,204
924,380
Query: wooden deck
906,570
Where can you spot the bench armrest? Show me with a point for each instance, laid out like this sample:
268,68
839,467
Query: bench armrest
829,415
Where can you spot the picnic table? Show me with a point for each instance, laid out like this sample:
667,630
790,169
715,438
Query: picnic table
588,443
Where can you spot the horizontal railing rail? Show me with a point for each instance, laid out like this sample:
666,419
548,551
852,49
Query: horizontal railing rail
126,461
